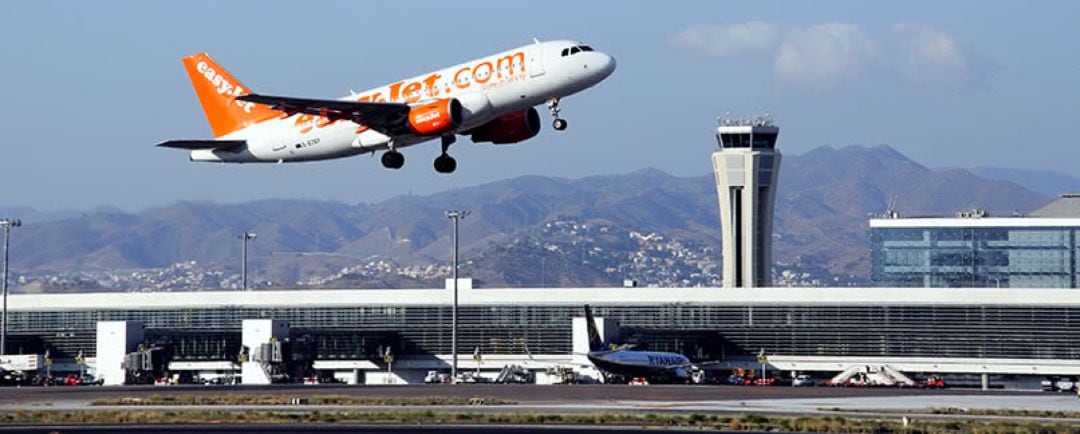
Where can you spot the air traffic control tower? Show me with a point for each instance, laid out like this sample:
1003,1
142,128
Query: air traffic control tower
746,166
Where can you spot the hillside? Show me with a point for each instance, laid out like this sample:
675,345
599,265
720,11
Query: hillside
823,201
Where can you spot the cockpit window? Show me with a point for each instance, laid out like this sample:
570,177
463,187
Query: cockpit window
575,49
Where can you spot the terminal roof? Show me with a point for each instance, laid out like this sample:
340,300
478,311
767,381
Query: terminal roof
1068,205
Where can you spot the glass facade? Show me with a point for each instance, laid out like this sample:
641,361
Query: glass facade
992,257
701,331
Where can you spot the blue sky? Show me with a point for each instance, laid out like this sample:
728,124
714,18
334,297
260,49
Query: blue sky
89,87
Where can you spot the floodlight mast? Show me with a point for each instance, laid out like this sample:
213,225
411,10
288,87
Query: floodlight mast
7,224
244,238
455,216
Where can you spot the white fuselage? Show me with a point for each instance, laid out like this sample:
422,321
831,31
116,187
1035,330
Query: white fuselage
487,88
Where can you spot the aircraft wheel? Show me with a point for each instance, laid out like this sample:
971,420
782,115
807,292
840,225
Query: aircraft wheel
393,160
559,124
445,164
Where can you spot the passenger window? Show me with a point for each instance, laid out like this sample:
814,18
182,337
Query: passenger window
574,50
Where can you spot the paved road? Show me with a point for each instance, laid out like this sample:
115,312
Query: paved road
521,394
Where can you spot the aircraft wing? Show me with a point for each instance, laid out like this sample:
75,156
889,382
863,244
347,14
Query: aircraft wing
708,364
384,117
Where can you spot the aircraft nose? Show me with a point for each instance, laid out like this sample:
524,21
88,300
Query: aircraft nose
606,64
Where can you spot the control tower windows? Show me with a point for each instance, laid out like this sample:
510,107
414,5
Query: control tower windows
764,140
755,140
735,140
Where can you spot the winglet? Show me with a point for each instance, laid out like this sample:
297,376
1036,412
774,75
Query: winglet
217,91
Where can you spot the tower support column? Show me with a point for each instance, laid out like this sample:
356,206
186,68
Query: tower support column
747,167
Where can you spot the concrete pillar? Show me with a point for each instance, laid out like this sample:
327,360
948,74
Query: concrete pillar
985,381
255,333
609,331
463,284
115,339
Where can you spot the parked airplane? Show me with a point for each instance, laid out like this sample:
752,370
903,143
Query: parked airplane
491,99
628,363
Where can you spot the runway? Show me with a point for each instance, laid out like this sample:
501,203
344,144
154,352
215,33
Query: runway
516,399
582,400
519,394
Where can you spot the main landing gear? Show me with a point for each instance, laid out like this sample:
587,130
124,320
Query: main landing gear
393,159
558,123
445,163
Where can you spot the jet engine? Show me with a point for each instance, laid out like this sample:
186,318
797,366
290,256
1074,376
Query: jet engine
509,128
474,105
435,117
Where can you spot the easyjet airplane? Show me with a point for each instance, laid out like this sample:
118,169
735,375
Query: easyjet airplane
490,99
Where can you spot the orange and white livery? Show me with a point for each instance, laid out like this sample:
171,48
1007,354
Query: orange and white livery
491,99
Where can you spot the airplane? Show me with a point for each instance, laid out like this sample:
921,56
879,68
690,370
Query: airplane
629,363
491,99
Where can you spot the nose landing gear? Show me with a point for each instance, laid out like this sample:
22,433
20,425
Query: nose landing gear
558,123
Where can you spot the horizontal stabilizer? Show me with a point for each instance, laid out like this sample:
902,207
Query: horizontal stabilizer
224,145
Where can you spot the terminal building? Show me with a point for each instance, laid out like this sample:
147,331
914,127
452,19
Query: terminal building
265,336
976,250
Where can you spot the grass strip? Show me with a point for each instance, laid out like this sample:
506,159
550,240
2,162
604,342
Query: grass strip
751,422
958,411
240,399
1007,412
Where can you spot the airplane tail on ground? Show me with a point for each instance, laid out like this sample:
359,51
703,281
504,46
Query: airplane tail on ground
596,343
217,91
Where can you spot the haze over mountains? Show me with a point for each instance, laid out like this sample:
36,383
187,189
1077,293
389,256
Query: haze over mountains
1044,182
823,203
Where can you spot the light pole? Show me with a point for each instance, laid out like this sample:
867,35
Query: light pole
244,237
7,224
455,216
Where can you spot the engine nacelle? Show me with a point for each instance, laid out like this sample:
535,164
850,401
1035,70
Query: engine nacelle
435,117
509,128
474,106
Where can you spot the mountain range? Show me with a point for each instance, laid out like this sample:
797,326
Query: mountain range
1041,181
823,202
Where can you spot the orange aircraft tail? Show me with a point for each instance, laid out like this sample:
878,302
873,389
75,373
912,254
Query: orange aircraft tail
217,91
